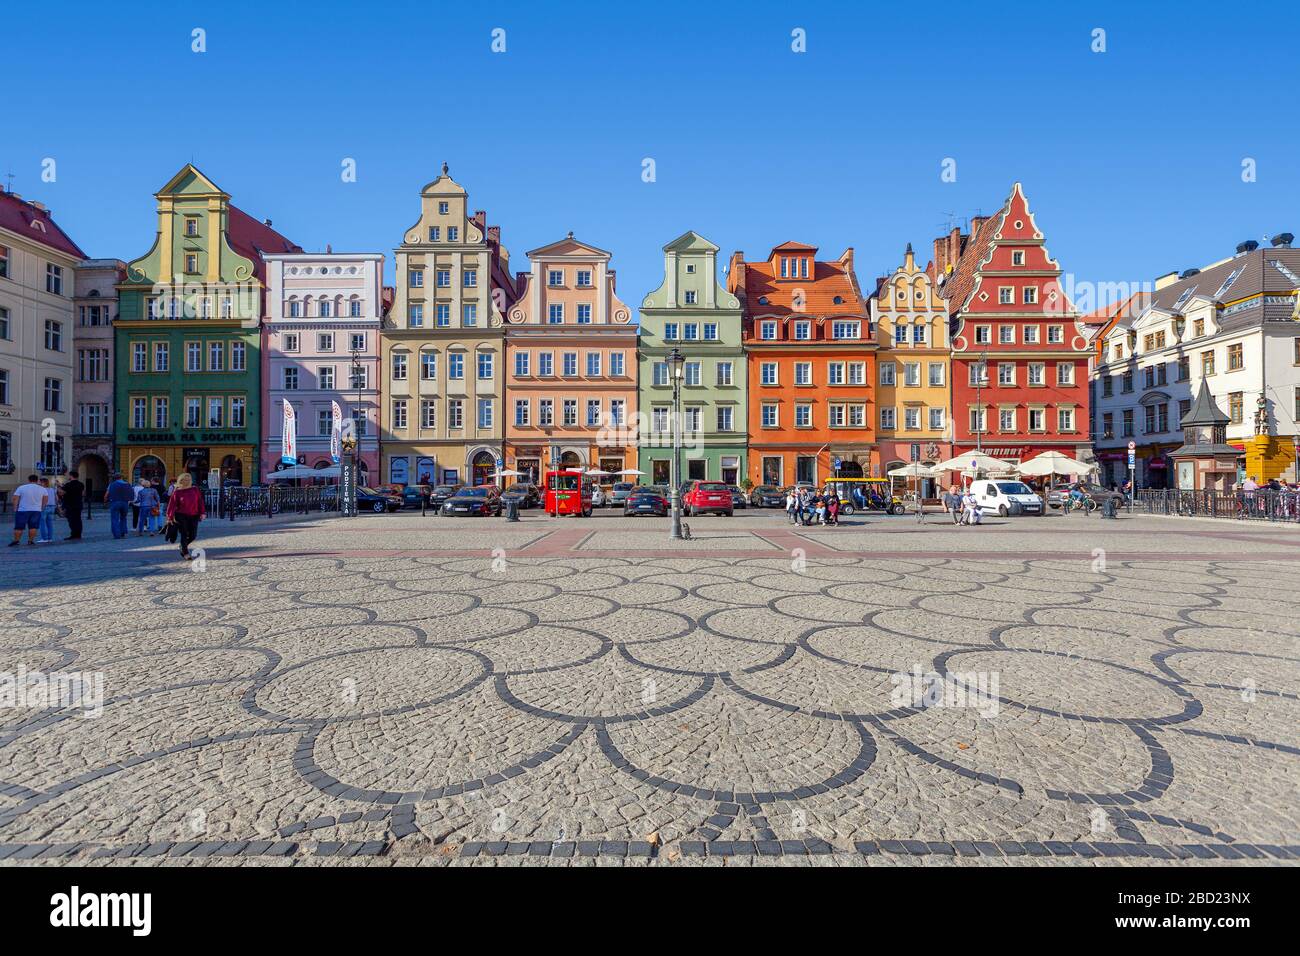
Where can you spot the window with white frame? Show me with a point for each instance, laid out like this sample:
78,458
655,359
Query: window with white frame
888,373
887,417
769,415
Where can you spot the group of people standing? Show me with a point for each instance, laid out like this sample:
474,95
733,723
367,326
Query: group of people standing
175,511
808,506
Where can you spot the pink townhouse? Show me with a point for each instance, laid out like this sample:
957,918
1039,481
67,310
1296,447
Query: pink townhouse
320,343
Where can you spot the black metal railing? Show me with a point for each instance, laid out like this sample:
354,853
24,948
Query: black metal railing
270,500
1243,505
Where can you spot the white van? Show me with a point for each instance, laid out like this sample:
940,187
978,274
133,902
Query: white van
998,494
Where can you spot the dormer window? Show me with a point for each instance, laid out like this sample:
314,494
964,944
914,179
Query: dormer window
838,300
443,208
690,268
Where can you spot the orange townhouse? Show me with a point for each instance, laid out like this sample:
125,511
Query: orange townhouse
571,366
811,362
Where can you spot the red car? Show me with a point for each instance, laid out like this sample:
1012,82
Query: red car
708,497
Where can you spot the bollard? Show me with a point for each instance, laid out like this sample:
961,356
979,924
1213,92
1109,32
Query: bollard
1108,508
512,509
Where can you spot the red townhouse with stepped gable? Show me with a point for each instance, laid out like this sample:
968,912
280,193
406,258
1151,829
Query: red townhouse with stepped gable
1019,351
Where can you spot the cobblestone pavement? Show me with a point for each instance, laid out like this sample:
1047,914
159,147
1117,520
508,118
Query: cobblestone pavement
406,690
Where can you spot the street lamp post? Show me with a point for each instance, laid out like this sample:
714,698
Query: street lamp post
676,360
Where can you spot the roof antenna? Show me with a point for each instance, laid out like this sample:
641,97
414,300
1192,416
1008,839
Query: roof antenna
10,177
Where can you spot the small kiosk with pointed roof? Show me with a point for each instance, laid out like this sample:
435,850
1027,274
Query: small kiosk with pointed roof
1205,462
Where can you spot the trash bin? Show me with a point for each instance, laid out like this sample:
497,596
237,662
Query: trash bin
1108,508
512,508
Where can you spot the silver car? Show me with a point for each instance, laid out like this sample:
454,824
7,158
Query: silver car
618,494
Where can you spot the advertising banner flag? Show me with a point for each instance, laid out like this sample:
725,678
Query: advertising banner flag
336,433
289,436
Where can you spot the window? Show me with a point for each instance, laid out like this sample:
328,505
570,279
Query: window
469,314
584,279
289,378
442,277
1031,334
1107,386
453,233
444,208
555,277
139,412
545,364
54,279
1065,419
1126,426
415,278
1236,360
53,335
569,411
767,373
92,365
977,421
803,373
593,364
429,366
325,308
769,415
834,373
692,331
803,415
485,412
887,418
690,297
584,313
399,366
1235,408
918,334
835,416
1037,419
486,365
216,356
912,373
983,335
1006,419
767,331
1036,373
1055,334
415,315
442,316
216,412
1006,295
469,278
857,416
670,331
354,309
936,419
978,374
291,341
593,412
659,373
435,233
725,417
546,412
324,421
555,313
692,372
93,419
238,356
900,333
139,356
936,372
1184,368
193,412
325,376
1126,381
616,364
842,329
1030,296
161,357
1006,373
1198,328
521,363
887,373
1007,334
570,364
522,410
912,418
456,366
802,330
857,373
1207,363
358,377
399,413
6,331
1065,373
1017,257
4,272
710,331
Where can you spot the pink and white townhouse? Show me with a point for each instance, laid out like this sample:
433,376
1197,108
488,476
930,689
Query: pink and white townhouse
320,344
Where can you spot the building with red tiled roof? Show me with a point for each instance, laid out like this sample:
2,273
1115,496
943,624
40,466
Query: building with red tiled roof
810,357
1020,354
38,261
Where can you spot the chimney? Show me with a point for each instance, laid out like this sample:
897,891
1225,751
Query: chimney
1188,273
1168,279
1250,245
267,223
40,206
1282,240
846,260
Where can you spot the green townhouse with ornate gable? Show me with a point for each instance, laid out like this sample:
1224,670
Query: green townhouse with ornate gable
694,313
187,340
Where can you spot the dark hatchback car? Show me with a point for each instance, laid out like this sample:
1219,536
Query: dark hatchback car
413,495
368,499
481,500
440,493
646,500
738,497
527,495
767,496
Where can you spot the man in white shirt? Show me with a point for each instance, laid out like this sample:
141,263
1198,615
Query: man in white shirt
29,499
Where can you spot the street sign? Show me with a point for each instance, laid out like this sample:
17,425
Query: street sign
836,462
501,463
1132,447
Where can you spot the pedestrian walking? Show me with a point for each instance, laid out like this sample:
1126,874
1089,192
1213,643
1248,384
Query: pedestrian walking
118,497
73,493
28,499
48,508
185,509
147,502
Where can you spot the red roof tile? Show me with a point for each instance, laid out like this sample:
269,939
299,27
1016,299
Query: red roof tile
251,238
829,279
20,216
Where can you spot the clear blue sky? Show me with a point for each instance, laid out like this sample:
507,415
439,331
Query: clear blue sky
1131,158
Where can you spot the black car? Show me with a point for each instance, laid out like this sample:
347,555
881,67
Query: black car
767,496
738,499
480,500
527,495
413,495
368,499
646,500
440,493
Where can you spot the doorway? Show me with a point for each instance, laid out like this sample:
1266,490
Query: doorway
232,470
661,472
482,468
805,469
730,470
772,471
697,469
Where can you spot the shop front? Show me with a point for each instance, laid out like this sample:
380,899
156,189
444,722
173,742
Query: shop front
898,453
234,464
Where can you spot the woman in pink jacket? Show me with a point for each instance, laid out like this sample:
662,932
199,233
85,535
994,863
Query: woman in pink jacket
185,509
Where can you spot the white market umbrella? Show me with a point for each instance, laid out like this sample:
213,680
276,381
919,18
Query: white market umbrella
629,471
595,471
974,461
914,470
508,473
1053,463
302,471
